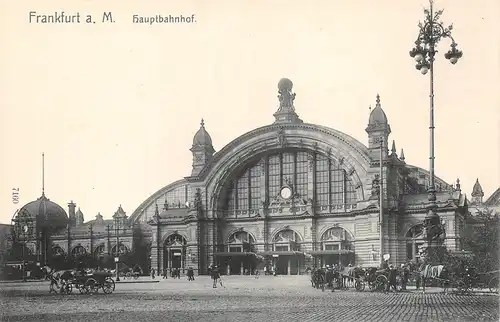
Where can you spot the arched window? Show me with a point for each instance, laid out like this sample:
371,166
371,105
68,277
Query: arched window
99,251
78,251
175,240
57,251
333,186
122,249
336,238
240,241
286,240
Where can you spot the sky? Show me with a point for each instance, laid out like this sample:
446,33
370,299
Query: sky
115,106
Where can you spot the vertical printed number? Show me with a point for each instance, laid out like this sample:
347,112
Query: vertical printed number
15,195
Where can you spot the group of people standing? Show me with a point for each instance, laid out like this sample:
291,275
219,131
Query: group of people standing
392,275
174,273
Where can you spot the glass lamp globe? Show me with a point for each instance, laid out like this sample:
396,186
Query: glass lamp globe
424,70
419,57
453,60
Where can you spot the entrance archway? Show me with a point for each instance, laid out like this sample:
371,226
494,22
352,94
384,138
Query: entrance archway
174,252
239,258
286,254
415,242
336,243
78,251
99,252
122,250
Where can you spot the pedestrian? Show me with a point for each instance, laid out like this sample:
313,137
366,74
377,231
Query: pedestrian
215,276
405,276
190,274
392,279
152,273
165,274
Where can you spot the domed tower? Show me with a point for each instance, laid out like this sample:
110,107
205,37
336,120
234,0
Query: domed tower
378,128
202,149
286,111
477,193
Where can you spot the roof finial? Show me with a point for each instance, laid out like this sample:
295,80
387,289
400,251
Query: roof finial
378,101
202,123
402,157
393,149
458,184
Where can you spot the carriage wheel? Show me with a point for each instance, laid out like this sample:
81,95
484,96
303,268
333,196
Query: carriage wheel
91,286
108,286
129,275
81,288
111,281
67,289
359,285
381,283
493,285
136,276
371,286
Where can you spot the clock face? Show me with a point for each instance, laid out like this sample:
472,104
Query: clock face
286,192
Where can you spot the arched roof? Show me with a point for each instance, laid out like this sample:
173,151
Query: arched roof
151,199
316,131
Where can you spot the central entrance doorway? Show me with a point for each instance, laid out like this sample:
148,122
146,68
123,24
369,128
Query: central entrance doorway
239,257
174,252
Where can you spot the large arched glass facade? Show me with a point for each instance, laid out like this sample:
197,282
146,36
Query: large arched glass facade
332,186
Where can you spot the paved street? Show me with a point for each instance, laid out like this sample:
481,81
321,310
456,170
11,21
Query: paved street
286,298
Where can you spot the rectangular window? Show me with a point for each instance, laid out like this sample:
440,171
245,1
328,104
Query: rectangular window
288,167
243,191
234,249
274,175
322,176
351,191
337,184
302,174
255,187
281,248
332,247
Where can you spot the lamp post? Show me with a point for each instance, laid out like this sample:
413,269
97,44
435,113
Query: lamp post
23,226
117,249
430,33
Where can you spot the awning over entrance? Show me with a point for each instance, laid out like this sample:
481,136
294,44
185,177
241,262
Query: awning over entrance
281,253
331,252
226,254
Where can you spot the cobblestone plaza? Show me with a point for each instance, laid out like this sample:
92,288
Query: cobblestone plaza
243,298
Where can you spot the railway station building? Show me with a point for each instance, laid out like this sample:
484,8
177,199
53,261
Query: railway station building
291,194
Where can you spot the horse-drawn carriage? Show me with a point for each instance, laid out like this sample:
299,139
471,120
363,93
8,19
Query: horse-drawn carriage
64,282
373,278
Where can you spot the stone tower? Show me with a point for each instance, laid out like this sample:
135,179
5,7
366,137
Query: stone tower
378,128
202,149
72,213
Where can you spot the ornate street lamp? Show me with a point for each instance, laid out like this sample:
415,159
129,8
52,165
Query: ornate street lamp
117,248
424,52
23,229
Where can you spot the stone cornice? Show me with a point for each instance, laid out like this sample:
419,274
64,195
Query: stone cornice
349,141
